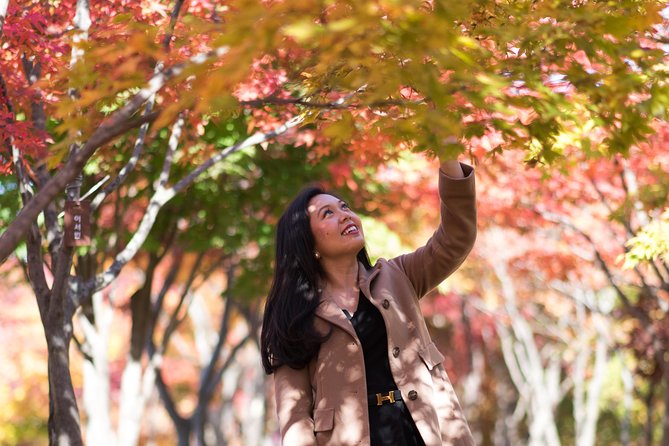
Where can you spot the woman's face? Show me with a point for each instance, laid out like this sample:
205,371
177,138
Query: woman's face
336,229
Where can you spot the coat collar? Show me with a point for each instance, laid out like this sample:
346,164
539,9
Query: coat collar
366,276
329,310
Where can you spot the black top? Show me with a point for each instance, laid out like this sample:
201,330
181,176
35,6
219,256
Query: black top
389,424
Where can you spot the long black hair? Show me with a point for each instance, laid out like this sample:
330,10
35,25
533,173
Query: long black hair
288,336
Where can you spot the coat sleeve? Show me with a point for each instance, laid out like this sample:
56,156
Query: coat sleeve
294,406
448,247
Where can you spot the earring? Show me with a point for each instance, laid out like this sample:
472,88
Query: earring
317,254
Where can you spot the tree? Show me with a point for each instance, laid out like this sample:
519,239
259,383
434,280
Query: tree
357,78
590,208
532,57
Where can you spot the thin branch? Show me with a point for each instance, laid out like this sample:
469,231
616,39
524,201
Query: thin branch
35,261
160,298
162,196
3,14
630,233
334,105
117,124
173,21
210,379
555,218
172,145
32,72
141,136
134,158
209,375
150,214
252,140
84,349
604,201
170,406
226,364
25,189
175,320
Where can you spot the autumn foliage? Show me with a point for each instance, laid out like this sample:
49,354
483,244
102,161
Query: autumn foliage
189,124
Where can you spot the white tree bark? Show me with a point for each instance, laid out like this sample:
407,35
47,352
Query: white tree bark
522,354
96,396
536,367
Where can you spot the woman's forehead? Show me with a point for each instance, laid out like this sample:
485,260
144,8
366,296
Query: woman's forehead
319,201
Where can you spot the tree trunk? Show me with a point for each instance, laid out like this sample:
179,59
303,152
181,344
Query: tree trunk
131,405
649,415
96,373
133,397
64,423
588,430
665,418
628,388
253,386
183,434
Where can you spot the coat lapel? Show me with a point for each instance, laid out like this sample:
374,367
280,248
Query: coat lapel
365,278
330,312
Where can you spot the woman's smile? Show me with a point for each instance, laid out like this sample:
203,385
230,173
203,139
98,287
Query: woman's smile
337,230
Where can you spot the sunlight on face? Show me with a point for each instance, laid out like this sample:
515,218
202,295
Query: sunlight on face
337,230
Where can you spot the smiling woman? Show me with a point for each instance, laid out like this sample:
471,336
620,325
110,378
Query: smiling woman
351,355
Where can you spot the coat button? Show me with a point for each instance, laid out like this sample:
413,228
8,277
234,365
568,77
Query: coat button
385,303
413,395
396,352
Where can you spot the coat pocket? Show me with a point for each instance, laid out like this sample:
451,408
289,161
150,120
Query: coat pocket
431,356
323,420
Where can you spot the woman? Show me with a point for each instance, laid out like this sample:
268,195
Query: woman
352,358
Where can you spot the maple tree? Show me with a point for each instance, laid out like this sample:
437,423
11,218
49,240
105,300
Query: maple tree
533,71
361,81
579,221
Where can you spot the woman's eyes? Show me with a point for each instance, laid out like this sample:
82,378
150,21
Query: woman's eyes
327,212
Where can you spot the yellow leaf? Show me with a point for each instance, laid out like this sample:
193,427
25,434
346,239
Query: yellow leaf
342,25
169,113
341,130
302,30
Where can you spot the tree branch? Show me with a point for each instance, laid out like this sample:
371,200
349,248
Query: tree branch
334,105
117,124
141,136
252,140
3,14
157,201
167,399
628,229
561,220
173,21
132,162
208,380
35,262
225,365
175,320
105,133
163,195
158,304
32,72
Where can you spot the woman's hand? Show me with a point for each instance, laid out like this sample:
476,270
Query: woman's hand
451,167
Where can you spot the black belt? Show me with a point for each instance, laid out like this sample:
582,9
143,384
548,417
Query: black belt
379,399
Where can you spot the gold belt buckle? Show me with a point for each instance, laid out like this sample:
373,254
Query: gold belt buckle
380,398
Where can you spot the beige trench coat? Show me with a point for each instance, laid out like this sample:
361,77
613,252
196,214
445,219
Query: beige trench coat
326,402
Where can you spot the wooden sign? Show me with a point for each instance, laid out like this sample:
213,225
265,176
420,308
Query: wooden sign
77,223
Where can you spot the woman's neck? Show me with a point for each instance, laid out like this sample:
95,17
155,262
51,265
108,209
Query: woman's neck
340,274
